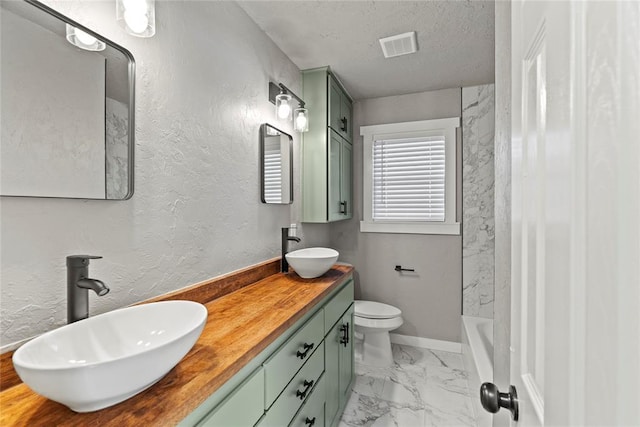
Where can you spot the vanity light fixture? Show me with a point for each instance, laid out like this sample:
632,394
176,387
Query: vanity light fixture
282,97
83,40
137,17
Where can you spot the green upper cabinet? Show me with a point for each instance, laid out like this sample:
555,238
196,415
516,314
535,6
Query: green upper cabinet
327,160
339,109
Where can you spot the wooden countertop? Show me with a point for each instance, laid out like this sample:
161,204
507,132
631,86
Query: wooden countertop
240,325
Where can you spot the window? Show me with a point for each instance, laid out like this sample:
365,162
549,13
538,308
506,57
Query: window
410,177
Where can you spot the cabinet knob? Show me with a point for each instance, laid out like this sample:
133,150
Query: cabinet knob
344,124
310,421
307,385
344,339
343,207
307,348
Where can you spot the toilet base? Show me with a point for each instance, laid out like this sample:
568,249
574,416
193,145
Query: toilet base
375,349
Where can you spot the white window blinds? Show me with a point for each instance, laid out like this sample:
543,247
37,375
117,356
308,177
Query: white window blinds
272,171
409,179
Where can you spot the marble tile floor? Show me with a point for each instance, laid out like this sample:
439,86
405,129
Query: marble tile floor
423,388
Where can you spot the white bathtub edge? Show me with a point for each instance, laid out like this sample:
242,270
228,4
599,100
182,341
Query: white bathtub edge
450,346
476,374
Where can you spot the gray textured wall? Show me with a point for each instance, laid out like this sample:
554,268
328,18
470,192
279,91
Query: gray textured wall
201,95
502,303
431,299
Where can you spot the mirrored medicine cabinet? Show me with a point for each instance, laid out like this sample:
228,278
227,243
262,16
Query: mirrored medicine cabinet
67,125
276,165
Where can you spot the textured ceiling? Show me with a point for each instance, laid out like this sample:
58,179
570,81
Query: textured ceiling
455,41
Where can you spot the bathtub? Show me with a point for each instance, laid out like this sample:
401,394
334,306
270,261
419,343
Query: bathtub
477,354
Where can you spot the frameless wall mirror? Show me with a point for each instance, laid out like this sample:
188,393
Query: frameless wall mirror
67,105
276,152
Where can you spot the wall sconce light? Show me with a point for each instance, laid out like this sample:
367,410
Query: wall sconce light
137,17
281,96
83,40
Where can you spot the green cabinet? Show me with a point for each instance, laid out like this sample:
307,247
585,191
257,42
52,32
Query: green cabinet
326,149
339,109
338,358
301,379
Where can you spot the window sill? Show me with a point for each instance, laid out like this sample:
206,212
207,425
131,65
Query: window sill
408,228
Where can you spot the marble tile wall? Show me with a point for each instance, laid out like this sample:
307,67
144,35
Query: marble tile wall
117,149
478,229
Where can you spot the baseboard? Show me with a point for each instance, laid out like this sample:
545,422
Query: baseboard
450,346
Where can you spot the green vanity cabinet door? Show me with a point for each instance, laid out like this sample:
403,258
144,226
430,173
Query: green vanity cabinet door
243,407
338,358
332,372
346,358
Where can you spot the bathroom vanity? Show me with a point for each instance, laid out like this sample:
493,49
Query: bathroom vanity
277,350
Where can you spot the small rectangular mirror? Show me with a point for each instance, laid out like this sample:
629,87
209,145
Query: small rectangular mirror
67,126
276,165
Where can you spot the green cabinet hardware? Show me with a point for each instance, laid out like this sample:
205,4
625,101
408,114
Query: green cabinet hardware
327,159
294,394
243,407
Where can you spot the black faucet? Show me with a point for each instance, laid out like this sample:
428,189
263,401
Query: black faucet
284,265
78,285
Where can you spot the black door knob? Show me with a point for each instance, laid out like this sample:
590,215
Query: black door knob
492,400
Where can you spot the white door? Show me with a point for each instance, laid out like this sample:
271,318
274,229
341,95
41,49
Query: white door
575,322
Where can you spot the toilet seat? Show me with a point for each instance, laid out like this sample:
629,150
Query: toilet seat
375,310
378,324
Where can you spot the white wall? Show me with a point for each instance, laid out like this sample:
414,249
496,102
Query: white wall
431,299
201,95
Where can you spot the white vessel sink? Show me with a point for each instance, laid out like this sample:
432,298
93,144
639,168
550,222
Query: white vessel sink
312,262
105,359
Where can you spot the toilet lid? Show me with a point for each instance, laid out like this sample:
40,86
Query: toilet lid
376,310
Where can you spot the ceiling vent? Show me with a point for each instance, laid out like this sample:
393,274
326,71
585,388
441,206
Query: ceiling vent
402,44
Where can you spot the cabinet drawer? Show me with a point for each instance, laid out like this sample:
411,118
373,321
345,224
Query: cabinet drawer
288,359
243,407
312,412
337,306
294,395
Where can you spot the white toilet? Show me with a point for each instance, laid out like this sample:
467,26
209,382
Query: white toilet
373,321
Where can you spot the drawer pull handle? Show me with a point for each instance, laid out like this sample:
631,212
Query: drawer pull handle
304,354
302,394
311,421
344,340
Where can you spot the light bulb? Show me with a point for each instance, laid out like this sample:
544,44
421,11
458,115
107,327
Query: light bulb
301,122
136,21
283,106
85,38
283,111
